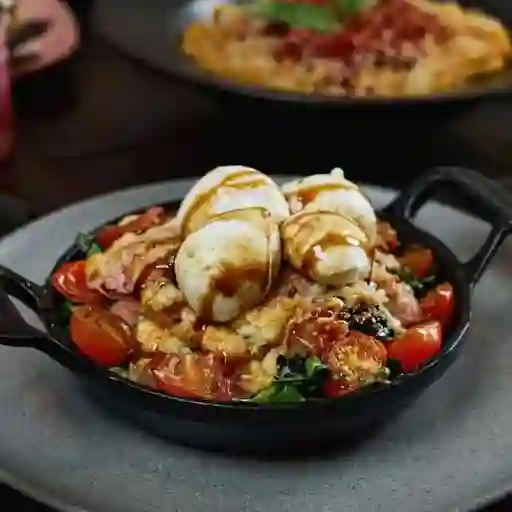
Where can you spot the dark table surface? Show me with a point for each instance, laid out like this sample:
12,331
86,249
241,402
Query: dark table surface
101,122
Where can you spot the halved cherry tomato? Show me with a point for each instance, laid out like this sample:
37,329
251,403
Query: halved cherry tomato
416,346
101,335
438,303
69,280
109,234
315,334
418,260
193,375
338,387
353,360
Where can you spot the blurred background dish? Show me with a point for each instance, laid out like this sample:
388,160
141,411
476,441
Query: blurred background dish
153,32
350,48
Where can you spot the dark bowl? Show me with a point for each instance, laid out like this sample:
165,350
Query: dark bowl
151,32
245,427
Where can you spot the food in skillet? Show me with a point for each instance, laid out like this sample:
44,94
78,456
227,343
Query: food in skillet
255,292
349,47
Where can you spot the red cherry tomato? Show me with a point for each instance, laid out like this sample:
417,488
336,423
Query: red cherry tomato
101,335
69,280
353,360
438,304
109,234
416,346
194,376
337,388
418,260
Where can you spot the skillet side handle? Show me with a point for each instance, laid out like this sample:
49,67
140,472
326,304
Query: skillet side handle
489,199
14,330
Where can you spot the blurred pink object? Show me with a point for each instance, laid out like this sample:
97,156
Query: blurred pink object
6,110
61,40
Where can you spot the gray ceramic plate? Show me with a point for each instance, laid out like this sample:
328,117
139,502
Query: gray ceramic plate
449,451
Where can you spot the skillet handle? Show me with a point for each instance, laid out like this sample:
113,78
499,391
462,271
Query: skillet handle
489,199
14,330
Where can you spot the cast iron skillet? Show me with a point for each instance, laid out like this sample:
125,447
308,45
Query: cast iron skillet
152,31
243,427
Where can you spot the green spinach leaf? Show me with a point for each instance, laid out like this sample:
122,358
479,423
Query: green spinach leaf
419,285
298,379
314,366
313,17
352,6
64,313
278,393
87,244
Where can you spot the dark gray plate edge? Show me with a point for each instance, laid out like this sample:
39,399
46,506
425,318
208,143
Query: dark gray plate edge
37,494
471,503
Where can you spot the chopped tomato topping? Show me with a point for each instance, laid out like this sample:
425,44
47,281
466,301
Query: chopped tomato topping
317,331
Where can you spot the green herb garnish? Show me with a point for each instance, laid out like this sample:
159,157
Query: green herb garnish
64,313
313,17
87,244
314,366
298,379
352,6
420,285
278,393
320,18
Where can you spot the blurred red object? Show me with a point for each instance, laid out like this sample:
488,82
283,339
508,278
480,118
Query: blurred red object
6,108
